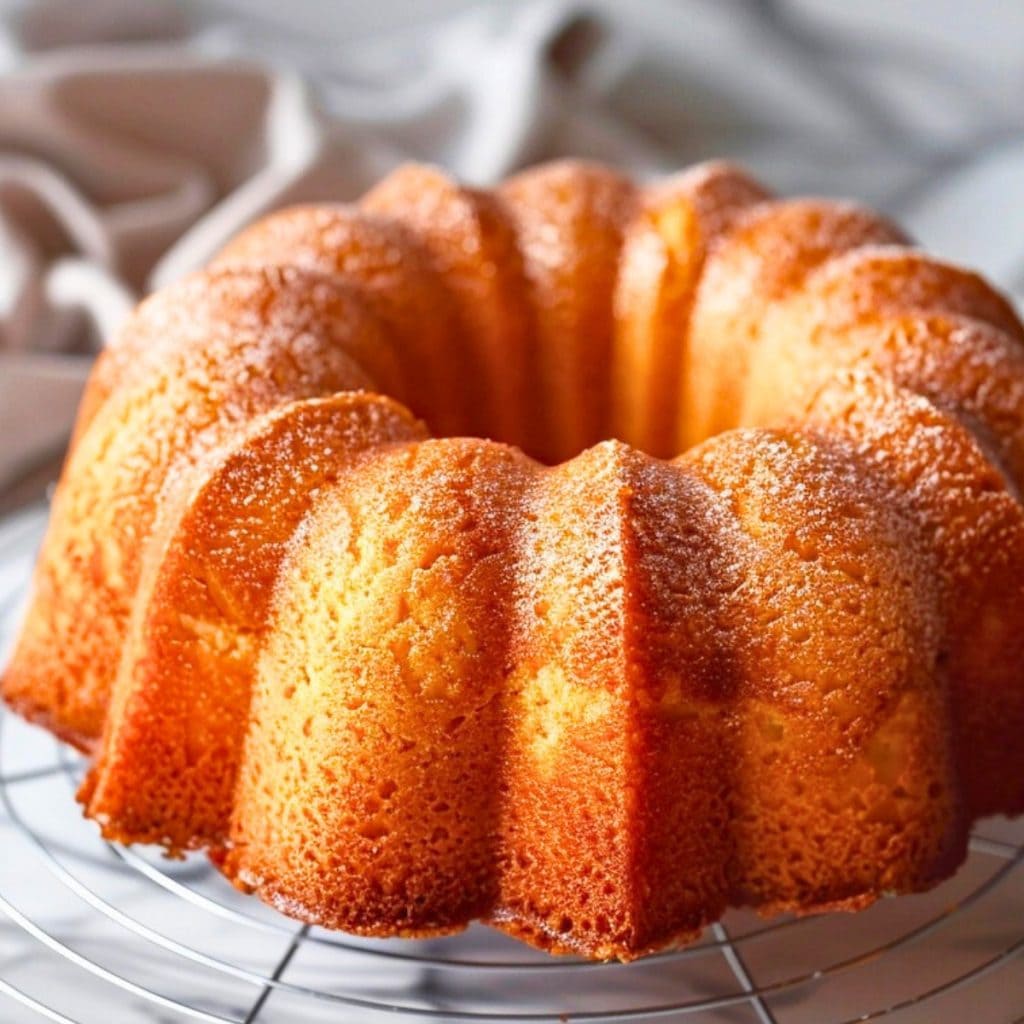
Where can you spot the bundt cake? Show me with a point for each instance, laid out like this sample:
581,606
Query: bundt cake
374,571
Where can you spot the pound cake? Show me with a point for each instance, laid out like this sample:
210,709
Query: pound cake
375,571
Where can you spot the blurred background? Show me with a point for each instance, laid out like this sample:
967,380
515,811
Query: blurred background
136,137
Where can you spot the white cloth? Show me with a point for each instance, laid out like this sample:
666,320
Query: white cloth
134,142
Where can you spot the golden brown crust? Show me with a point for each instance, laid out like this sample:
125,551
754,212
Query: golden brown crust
773,248
226,346
844,783
973,521
663,255
395,684
172,743
369,797
569,219
392,269
469,236
616,705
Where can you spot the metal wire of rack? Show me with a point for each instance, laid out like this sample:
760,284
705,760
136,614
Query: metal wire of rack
87,925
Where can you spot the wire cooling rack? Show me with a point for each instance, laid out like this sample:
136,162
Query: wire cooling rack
92,931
